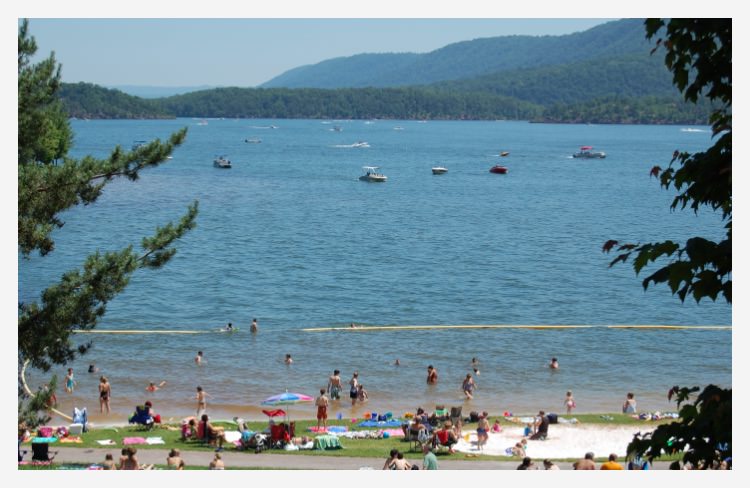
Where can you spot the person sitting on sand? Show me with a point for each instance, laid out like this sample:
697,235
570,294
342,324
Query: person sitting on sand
541,427
148,407
553,364
629,406
152,387
188,429
569,403
518,450
174,461
496,427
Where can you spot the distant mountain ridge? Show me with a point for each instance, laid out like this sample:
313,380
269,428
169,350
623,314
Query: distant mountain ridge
469,59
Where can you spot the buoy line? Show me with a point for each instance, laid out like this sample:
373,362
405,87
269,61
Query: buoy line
32,395
498,326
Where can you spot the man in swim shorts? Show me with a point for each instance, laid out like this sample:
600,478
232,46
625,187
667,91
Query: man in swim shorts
322,403
432,375
334,385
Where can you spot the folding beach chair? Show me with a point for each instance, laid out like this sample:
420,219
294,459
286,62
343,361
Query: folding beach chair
142,417
456,415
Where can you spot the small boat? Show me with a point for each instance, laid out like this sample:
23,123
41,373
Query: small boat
398,127
337,128
137,144
504,153
253,141
203,122
587,153
222,162
497,169
438,170
372,175
360,144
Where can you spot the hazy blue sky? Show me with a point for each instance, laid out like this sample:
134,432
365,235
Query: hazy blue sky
248,52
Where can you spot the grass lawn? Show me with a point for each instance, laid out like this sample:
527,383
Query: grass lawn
370,448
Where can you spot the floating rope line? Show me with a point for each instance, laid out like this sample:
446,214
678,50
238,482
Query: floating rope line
359,328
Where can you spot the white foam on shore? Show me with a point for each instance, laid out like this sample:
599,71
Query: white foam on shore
563,441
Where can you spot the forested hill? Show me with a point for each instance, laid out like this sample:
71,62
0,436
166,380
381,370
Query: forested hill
469,59
86,100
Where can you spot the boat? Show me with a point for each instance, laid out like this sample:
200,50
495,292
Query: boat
203,122
337,128
504,153
222,162
438,170
497,169
398,127
587,153
371,174
253,140
360,144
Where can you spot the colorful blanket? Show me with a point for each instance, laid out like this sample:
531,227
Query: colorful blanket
380,424
72,439
133,440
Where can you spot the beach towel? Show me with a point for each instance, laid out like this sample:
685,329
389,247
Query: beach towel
327,442
331,429
72,439
133,440
155,440
374,423
232,436
107,442
38,440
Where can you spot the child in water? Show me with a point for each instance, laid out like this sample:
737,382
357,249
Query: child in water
288,359
569,403
152,387
362,396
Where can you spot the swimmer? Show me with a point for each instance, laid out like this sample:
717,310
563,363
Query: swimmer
152,387
254,326
288,359
93,368
229,327
397,362
199,358
432,376
553,364
353,325
476,371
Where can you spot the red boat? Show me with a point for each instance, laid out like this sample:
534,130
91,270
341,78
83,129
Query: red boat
501,170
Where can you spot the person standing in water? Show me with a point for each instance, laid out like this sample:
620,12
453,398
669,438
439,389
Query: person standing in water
569,403
553,364
468,386
105,392
70,383
334,385
432,376
199,358
353,387
254,326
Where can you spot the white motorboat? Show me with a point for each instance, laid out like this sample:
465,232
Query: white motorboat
360,144
438,170
587,153
222,162
372,175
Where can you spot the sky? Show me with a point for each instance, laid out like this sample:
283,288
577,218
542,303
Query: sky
248,52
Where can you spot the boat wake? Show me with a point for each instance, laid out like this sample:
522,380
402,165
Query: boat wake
357,144
690,129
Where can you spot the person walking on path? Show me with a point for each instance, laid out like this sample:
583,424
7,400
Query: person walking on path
430,461
105,392
322,403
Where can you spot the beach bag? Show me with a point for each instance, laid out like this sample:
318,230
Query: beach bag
552,417
44,432
473,416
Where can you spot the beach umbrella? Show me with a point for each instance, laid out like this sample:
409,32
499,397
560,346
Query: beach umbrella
287,398
275,413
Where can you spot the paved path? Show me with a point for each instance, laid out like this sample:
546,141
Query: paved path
268,460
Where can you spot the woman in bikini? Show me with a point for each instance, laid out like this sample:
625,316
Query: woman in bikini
105,391
468,386
353,387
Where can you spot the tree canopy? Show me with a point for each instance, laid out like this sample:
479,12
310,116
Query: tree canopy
699,54
50,182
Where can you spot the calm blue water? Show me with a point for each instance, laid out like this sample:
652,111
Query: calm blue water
290,236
